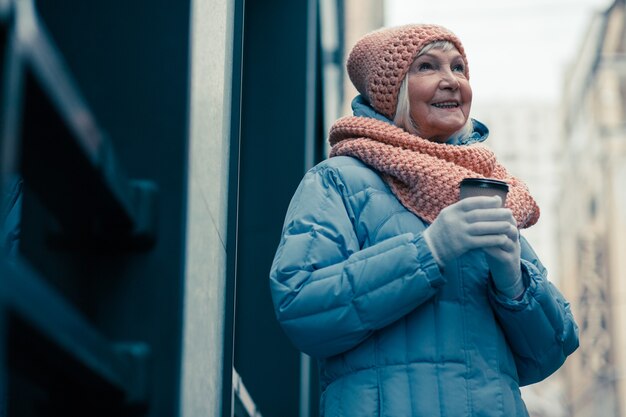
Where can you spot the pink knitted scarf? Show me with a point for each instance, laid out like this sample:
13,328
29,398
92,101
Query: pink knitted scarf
425,175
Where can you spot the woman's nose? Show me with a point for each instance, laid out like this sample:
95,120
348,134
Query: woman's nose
448,80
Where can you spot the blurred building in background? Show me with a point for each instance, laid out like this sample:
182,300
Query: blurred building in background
592,216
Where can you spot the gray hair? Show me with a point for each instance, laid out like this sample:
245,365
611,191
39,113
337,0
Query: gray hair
403,118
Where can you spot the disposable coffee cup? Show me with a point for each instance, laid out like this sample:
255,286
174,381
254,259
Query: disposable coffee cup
472,187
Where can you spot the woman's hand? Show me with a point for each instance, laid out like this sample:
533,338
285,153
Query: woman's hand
505,263
479,223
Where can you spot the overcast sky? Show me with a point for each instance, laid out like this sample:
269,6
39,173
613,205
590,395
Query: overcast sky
515,48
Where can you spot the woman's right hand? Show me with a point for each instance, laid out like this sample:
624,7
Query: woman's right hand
472,223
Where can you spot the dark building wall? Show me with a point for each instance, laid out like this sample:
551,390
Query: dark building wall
280,119
225,156
130,62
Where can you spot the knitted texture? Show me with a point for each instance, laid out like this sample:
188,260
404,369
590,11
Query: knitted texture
425,175
380,60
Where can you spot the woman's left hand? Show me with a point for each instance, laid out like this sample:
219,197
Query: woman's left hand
504,262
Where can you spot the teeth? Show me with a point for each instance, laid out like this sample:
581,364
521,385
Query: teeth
446,105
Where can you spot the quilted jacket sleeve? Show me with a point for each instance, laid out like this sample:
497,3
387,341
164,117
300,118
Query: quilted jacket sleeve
329,294
540,327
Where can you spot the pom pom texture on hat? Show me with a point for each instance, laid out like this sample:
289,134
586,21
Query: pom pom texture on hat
380,60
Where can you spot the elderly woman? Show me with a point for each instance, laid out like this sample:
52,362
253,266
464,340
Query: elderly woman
414,302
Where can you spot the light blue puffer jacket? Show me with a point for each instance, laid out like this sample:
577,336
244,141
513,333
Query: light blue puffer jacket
355,286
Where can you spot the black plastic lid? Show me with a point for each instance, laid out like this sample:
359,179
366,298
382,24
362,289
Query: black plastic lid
485,183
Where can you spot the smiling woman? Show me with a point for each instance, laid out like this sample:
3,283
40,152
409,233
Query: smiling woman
415,302
435,97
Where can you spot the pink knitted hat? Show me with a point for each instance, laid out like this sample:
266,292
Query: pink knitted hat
379,61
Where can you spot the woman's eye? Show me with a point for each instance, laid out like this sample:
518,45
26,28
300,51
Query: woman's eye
424,66
458,68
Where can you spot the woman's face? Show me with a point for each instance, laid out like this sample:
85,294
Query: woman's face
440,95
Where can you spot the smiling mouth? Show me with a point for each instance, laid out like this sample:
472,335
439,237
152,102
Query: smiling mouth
446,105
